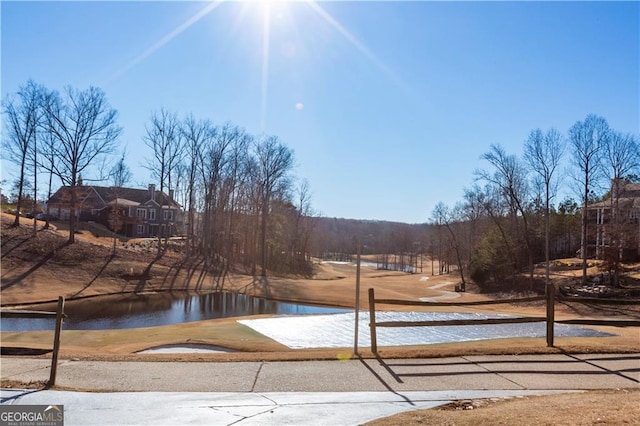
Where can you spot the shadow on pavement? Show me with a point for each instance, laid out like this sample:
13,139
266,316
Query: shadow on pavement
23,351
573,361
381,380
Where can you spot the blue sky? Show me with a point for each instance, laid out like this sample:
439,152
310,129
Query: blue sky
387,105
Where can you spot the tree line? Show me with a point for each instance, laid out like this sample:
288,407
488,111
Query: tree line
507,222
243,205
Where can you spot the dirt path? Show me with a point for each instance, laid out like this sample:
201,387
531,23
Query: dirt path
446,295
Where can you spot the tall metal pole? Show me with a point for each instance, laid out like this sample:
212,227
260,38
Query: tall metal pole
357,309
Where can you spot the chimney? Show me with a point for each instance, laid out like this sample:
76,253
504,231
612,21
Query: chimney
170,195
618,187
152,191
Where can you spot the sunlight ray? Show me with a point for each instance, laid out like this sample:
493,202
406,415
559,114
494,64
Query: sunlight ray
167,38
357,44
265,66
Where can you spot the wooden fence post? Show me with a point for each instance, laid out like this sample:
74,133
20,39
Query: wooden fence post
56,341
372,321
551,293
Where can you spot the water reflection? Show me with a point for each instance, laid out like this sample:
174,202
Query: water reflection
147,310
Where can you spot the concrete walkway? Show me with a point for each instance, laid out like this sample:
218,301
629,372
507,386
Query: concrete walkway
303,392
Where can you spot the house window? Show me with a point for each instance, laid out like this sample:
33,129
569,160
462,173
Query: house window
140,229
168,215
635,214
141,213
152,214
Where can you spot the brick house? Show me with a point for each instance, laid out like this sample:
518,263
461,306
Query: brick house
603,230
137,213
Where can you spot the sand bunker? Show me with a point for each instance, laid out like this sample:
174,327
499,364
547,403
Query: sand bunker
184,349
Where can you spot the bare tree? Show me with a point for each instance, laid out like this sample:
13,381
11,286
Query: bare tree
195,132
475,213
47,161
23,117
84,126
543,152
164,137
120,172
120,176
510,177
214,158
274,162
622,158
233,189
488,200
442,215
302,224
587,138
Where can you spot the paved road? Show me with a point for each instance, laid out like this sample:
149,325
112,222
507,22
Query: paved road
303,392
240,409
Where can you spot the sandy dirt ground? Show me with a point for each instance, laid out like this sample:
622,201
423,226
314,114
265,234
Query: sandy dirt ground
612,407
37,279
95,272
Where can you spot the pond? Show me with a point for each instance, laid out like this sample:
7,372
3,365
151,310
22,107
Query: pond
155,309
377,265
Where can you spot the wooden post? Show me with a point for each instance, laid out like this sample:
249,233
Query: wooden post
56,341
551,292
357,310
372,321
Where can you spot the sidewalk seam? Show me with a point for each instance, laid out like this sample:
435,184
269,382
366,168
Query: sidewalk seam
494,372
593,364
255,379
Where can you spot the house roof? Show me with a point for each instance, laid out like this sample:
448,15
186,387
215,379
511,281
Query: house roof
123,202
629,198
623,202
108,194
630,190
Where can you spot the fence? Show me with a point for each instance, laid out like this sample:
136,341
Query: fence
59,314
549,318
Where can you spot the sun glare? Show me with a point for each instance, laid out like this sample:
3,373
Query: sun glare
266,13
167,38
266,31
